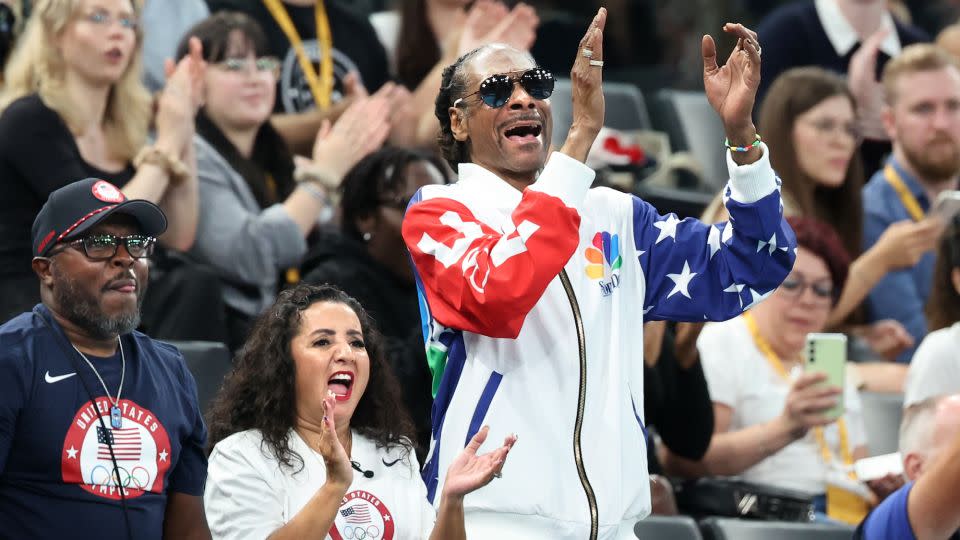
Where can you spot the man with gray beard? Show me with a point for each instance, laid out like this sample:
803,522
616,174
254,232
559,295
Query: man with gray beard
922,118
100,432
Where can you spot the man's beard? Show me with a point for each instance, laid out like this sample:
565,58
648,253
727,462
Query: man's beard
84,310
930,161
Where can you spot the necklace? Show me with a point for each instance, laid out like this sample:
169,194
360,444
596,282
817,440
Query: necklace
116,419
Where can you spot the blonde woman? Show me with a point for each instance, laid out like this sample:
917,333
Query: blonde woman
73,107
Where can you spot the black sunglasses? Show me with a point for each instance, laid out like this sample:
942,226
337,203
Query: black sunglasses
100,247
496,90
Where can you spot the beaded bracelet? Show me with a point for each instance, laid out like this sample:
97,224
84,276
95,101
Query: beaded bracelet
755,144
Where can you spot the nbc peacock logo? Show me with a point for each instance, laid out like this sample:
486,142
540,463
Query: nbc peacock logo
604,261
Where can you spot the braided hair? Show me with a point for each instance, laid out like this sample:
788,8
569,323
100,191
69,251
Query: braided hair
381,173
453,86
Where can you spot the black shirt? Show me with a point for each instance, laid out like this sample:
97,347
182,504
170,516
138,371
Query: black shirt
355,48
38,155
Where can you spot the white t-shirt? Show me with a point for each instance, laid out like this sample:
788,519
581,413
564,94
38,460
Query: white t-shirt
249,495
935,368
739,376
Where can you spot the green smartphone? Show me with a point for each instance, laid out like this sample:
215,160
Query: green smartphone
827,353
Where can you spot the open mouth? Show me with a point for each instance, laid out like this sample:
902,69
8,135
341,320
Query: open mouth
115,54
341,384
524,133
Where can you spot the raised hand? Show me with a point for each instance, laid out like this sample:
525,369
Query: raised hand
360,130
732,89
179,101
866,89
339,471
469,471
490,22
587,88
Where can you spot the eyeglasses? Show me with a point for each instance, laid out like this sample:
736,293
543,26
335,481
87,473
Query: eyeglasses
794,286
496,90
100,247
263,64
827,126
102,17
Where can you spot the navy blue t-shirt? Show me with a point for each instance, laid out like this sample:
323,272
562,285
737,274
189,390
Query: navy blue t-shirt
55,467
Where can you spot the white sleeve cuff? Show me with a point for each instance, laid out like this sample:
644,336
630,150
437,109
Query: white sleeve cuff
754,181
565,178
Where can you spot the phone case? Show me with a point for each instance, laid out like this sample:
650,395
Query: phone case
827,353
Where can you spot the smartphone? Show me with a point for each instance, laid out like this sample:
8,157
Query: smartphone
875,467
827,353
947,205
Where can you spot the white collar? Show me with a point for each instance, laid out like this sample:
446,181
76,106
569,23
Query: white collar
842,35
499,191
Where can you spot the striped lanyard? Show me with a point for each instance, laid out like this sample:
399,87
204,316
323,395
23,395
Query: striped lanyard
778,368
320,86
909,201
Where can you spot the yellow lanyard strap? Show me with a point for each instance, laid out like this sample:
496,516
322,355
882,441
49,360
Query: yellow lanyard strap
777,366
909,201
321,87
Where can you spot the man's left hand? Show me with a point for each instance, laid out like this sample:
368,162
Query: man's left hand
732,89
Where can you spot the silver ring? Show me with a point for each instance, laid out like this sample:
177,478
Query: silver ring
596,63
587,53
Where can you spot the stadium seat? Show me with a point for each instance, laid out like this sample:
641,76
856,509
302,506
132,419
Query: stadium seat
692,125
742,529
667,528
209,362
626,109
881,418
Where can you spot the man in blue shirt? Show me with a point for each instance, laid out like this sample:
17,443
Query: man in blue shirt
925,507
922,118
100,432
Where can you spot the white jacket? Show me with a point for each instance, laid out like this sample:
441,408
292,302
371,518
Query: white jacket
504,337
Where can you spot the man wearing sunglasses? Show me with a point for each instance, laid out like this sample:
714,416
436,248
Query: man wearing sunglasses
534,288
100,432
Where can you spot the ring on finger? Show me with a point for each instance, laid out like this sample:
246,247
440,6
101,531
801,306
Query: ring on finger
587,53
596,63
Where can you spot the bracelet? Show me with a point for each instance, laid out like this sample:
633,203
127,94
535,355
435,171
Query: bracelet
172,165
319,193
316,175
756,143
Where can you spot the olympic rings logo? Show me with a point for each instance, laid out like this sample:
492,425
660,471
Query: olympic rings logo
138,478
361,533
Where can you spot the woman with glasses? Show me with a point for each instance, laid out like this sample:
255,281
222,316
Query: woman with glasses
259,206
366,257
73,107
771,425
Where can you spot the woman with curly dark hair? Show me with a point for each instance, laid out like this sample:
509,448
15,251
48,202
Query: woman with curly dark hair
310,439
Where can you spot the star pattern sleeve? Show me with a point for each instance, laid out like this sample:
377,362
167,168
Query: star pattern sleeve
696,272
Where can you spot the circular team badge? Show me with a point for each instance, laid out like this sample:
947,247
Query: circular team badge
362,517
107,192
141,447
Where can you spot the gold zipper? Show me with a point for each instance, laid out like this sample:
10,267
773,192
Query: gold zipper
581,404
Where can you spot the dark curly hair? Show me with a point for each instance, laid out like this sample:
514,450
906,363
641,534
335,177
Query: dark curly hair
381,173
824,242
943,307
260,391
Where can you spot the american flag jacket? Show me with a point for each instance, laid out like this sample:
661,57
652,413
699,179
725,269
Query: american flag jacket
533,306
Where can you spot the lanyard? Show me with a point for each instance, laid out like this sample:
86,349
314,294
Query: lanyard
777,366
909,201
320,86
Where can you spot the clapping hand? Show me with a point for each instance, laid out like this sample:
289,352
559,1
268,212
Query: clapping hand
181,98
490,22
732,88
469,471
587,89
339,471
